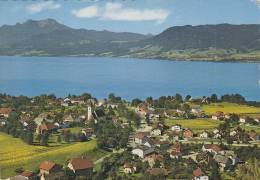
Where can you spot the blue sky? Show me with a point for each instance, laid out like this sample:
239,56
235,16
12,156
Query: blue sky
139,16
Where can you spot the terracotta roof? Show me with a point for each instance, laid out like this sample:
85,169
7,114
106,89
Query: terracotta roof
46,165
24,118
139,136
189,160
28,173
200,113
6,110
157,126
204,131
154,156
214,147
156,171
253,134
198,172
181,109
146,133
178,146
188,129
257,117
219,112
171,133
65,130
228,114
48,126
81,163
243,117
88,130
169,112
130,165
152,142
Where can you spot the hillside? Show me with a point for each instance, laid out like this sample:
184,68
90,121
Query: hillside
222,42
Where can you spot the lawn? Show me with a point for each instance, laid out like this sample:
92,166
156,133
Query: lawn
197,125
14,154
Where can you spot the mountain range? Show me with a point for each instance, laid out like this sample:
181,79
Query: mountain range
50,38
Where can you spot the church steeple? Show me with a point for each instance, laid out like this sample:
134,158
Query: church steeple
90,110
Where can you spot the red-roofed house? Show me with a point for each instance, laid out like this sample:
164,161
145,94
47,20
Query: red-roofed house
130,167
196,109
201,115
82,166
180,110
188,133
243,119
157,129
200,175
48,127
178,148
49,170
257,119
151,158
141,139
6,112
87,132
29,175
212,148
176,127
168,113
254,136
157,171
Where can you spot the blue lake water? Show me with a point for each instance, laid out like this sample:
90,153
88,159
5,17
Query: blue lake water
127,78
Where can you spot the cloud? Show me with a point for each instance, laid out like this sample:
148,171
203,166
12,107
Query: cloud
256,2
35,8
115,11
88,12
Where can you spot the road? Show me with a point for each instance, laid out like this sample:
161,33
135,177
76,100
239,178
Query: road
101,159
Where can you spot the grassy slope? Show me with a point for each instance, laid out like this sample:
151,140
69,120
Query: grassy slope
14,154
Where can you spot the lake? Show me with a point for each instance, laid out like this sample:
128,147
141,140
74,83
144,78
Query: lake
127,78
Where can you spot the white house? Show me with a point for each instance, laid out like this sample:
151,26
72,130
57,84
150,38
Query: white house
204,134
217,135
254,136
180,110
242,119
130,167
142,151
176,127
6,112
141,139
151,143
168,113
87,132
101,102
113,105
196,109
257,119
200,175
234,132
157,129
71,118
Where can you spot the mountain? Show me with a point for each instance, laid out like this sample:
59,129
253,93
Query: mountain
205,36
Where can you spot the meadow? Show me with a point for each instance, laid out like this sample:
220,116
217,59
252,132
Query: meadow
15,154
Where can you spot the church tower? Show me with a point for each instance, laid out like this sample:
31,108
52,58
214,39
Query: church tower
90,110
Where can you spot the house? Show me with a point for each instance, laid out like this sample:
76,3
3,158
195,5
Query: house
82,166
188,133
189,161
87,132
216,130
6,112
78,100
157,129
157,171
39,121
254,136
24,117
206,156
65,104
146,133
227,115
179,149
171,136
4,122
200,175
141,139
201,115
212,148
223,160
180,110
196,109
44,116
113,119
130,167
142,151
163,143
113,105
257,119
217,135
101,102
50,170
231,155
176,127
29,175
204,134
48,127
151,158
151,143
71,119
168,113
29,125
234,133
243,119
217,115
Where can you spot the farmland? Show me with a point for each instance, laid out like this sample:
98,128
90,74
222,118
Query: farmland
15,154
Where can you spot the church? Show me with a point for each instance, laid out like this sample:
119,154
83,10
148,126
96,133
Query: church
95,116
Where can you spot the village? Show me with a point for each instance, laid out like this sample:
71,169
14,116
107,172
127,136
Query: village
155,139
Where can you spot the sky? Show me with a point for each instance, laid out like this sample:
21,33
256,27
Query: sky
138,16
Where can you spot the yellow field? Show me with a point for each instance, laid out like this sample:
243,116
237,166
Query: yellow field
231,108
14,154
197,125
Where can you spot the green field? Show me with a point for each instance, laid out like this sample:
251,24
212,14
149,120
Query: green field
197,125
14,154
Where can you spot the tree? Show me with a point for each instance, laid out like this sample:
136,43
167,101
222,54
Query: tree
214,98
214,173
187,98
58,139
43,97
149,100
51,96
186,107
111,97
86,96
178,98
147,119
136,101
29,138
230,141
